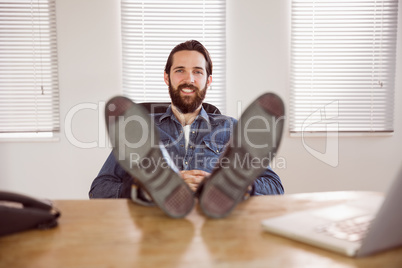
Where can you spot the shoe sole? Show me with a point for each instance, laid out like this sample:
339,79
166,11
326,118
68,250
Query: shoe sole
227,185
137,148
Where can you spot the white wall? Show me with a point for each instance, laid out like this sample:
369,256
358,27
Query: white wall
258,61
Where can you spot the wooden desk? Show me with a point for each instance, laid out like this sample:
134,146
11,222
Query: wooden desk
118,233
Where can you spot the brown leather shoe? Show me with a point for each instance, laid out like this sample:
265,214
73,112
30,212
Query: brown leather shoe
136,147
256,138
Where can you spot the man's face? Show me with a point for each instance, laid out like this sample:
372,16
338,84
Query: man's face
187,80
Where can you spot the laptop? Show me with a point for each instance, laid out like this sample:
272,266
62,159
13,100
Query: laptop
356,228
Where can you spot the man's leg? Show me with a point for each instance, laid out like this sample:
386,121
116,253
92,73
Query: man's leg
256,137
137,149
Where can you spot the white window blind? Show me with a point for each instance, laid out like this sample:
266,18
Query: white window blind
151,29
28,67
343,65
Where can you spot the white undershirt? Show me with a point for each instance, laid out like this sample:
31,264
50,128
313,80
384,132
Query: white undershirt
186,130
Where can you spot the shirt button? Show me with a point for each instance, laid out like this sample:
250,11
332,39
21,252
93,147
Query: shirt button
217,151
193,132
186,163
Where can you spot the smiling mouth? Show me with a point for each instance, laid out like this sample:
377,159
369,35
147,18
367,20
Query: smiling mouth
187,90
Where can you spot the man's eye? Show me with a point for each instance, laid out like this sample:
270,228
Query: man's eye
179,71
198,72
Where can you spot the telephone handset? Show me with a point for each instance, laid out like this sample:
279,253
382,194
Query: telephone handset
19,212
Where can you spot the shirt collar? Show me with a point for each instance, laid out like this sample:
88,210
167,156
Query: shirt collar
169,114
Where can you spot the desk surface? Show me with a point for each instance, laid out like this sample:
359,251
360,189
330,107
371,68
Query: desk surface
118,233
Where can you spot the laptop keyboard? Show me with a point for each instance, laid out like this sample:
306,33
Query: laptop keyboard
353,229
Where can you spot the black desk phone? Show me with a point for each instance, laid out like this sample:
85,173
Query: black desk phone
19,212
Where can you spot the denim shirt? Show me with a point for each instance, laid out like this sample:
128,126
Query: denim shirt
209,136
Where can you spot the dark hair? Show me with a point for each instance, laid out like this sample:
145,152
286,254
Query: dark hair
190,45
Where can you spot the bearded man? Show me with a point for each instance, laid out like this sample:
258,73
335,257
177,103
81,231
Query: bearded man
193,139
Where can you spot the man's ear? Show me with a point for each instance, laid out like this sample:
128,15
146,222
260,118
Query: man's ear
166,78
209,80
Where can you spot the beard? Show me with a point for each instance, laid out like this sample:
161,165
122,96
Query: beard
187,104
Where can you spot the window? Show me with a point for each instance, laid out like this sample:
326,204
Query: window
28,67
150,30
343,65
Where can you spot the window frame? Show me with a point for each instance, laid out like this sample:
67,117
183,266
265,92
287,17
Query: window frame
325,114
142,41
29,71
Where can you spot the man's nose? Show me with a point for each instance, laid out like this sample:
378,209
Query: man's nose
190,78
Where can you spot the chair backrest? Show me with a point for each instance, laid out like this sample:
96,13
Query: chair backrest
161,107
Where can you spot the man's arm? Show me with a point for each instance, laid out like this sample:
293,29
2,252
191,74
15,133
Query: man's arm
112,181
268,183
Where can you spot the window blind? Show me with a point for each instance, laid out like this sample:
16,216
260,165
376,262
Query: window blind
151,29
28,67
343,65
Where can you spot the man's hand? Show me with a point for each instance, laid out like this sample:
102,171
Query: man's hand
194,177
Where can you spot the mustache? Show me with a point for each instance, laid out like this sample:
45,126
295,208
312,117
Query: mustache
180,87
